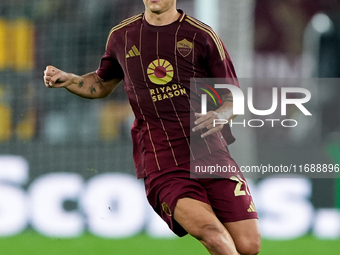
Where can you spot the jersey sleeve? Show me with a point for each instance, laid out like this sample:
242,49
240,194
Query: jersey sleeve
220,66
109,67
219,63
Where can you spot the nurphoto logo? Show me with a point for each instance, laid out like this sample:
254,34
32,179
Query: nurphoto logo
239,105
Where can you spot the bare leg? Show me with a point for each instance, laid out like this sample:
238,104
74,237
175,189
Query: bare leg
246,236
199,220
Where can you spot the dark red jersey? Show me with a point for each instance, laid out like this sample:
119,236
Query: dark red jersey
157,63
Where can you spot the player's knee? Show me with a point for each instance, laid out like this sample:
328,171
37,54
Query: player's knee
205,231
250,247
211,235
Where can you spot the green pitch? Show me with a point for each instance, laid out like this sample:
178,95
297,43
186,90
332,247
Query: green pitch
31,243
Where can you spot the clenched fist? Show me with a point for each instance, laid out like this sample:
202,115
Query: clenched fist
55,78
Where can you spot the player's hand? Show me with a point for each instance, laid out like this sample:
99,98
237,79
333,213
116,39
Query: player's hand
55,78
207,121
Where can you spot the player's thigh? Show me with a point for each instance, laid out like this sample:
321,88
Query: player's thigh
246,235
196,217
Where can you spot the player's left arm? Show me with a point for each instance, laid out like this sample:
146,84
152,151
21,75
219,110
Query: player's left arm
219,66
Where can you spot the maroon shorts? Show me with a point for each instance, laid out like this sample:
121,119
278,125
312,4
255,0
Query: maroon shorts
229,198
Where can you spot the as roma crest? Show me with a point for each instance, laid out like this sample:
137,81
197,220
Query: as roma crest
184,47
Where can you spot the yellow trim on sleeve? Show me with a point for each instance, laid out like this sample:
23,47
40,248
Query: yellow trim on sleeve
123,24
212,34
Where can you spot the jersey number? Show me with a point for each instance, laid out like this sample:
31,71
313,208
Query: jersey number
240,182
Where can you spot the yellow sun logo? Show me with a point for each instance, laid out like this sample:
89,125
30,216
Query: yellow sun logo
160,71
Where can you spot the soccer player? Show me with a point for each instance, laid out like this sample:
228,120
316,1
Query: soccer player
156,53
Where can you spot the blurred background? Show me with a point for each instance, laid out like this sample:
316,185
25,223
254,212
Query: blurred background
67,179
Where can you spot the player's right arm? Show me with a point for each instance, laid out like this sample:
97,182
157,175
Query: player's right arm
88,86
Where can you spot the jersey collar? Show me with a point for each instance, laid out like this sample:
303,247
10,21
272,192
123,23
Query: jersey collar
159,28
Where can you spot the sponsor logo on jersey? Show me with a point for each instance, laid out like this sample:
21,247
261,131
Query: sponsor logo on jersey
133,52
166,92
160,71
184,47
